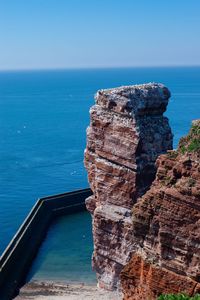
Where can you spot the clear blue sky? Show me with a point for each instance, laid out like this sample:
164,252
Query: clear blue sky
40,34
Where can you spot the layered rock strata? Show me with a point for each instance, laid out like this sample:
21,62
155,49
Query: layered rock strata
166,227
127,133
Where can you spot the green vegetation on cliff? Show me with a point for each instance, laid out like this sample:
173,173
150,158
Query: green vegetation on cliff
191,142
178,297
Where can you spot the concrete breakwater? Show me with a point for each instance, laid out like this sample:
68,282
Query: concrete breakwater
18,256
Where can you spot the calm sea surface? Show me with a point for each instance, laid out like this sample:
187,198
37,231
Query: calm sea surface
43,118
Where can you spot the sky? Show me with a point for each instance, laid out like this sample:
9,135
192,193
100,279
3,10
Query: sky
52,34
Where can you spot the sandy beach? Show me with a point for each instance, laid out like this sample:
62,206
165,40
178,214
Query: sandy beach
60,291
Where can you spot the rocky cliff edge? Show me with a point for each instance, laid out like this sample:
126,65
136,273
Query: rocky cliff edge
166,227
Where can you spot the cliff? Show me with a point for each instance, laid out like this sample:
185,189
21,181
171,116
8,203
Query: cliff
166,227
126,135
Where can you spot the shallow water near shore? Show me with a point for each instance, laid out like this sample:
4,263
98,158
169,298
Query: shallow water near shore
43,119
65,255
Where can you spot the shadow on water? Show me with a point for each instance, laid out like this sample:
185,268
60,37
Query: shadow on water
65,254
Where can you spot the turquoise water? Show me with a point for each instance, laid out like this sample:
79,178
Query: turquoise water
65,255
43,118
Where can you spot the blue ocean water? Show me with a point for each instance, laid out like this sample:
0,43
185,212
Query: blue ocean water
43,118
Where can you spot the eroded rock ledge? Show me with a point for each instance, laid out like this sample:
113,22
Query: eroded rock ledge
166,227
127,133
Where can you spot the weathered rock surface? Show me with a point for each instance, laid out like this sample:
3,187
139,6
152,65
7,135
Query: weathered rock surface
127,133
143,280
166,227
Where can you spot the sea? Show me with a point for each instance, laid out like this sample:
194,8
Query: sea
43,121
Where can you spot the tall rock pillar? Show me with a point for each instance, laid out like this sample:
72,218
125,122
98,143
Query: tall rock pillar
127,132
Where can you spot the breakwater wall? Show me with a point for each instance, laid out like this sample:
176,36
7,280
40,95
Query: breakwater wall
18,256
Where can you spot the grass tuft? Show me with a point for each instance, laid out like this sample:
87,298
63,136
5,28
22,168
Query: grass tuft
178,297
191,142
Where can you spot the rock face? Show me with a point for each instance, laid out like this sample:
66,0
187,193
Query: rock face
127,133
166,227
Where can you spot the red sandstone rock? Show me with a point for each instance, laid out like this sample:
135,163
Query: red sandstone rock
127,133
166,227
142,280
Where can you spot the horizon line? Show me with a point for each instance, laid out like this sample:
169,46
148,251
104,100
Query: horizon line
96,68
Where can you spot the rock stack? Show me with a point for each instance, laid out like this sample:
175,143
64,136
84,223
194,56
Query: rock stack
127,133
